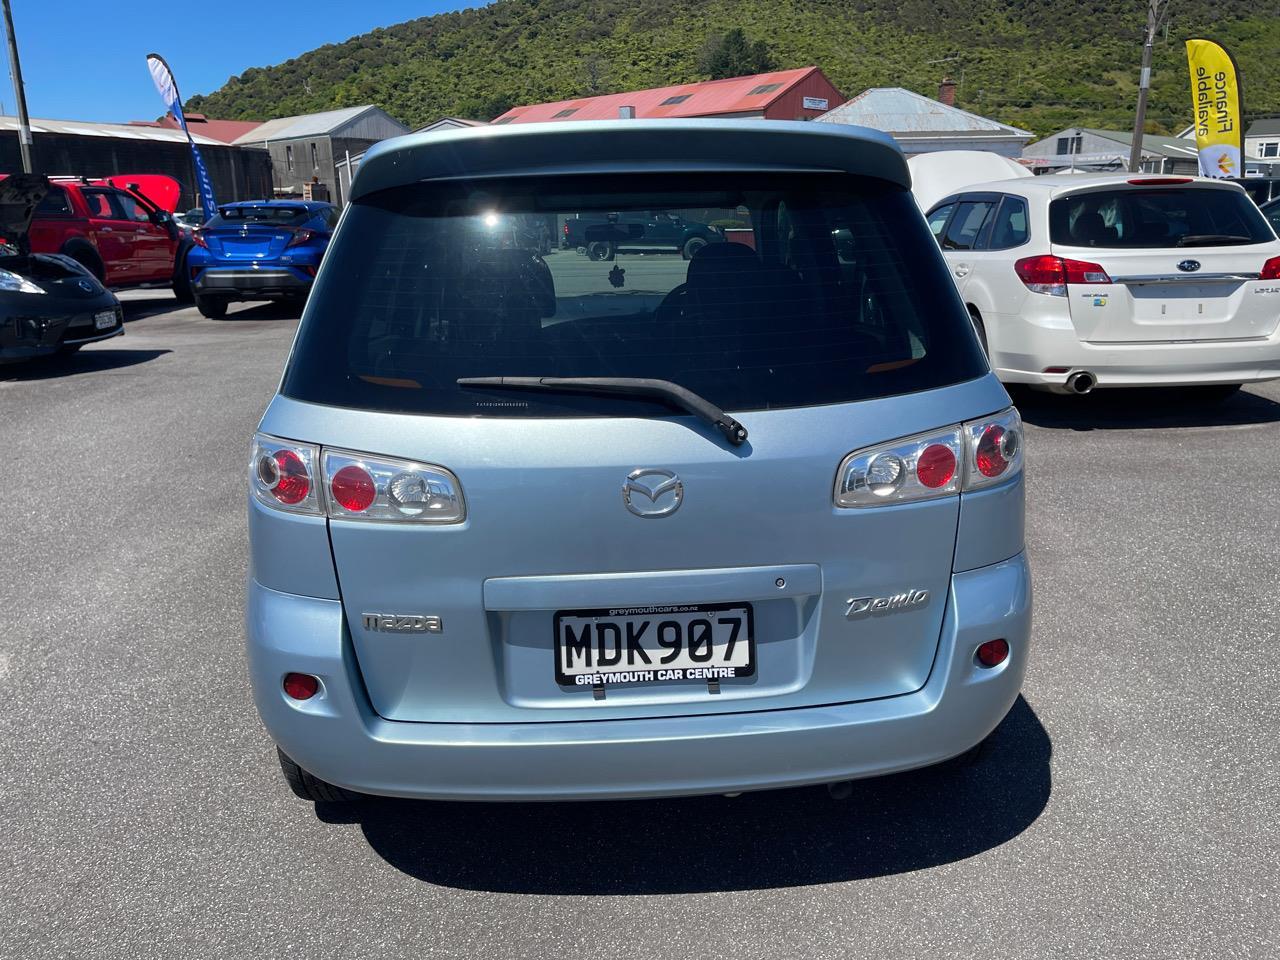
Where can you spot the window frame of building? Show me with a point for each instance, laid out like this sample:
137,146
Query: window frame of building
1070,146
567,112
288,157
678,98
315,163
1269,148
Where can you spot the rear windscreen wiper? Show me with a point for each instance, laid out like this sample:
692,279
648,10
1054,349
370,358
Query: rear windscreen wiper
1211,239
664,391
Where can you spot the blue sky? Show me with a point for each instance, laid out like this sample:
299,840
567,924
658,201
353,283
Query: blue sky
86,60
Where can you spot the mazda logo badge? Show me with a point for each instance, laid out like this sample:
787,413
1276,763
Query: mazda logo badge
85,285
652,493
1189,266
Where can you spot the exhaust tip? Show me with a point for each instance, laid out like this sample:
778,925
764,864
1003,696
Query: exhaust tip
1081,382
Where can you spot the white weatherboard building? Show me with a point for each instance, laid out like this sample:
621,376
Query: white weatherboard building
921,124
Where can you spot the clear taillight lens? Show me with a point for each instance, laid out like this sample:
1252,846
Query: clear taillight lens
363,487
965,457
282,474
915,468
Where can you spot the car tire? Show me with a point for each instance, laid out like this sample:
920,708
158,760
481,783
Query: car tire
600,250
182,291
981,330
308,787
83,253
213,309
692,246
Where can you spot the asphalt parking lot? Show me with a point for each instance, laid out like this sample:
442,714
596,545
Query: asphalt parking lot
1127,807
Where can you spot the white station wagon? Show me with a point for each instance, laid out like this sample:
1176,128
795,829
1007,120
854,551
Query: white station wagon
1077,281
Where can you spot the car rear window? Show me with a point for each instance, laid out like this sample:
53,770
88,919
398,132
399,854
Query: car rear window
811,289
1163,217
235,216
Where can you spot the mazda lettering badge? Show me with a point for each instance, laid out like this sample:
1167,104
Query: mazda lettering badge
1189,266
652,493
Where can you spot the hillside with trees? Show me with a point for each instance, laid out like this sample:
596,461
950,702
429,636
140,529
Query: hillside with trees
1033,63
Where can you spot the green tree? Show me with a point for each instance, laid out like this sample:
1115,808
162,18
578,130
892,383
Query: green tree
731,54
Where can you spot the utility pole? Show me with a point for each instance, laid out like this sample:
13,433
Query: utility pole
1155,15
15,71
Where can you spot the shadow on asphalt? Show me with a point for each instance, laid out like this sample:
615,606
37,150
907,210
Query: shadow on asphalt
85,361
1155,408
160,306
775,839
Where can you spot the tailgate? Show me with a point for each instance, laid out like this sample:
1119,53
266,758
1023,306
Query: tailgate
1152,298
756,540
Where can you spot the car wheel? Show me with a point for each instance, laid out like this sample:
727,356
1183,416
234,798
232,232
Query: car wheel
213,309
83,254
308,787
182,291
600,250
692,246
980,329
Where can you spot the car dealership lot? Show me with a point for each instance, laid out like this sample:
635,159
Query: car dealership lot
1127,807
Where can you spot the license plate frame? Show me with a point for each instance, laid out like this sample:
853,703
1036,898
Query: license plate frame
655,615
104,320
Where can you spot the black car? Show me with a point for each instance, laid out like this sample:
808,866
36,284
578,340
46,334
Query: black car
1260,189
650,231
49,303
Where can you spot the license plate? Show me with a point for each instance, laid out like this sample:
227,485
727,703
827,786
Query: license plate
625,645
104,319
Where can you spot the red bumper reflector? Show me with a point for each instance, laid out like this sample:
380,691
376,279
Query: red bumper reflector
993,653
301,686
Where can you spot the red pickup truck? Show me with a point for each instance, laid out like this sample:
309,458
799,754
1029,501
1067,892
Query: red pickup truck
121,228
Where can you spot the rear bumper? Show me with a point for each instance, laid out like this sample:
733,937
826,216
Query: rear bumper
1191,363
338,737
252,283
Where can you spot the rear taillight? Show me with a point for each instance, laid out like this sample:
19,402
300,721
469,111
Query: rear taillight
282,474
566,228
1158,181
1271,269
1050,275
197,237
965,457
302,478
364,487
300,237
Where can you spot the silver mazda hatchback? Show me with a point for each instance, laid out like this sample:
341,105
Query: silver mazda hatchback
718,495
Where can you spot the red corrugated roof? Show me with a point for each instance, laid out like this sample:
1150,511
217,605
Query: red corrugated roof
225,130
709,97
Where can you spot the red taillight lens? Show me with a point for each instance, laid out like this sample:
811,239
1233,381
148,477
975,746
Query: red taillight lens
285,475
1158,181
197,237
566,228
990,455
1050,275
1271,269
1080,271
301,686
353,488
300,237
993,653
936,466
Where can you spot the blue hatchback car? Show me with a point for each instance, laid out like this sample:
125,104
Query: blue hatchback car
528,526
259,250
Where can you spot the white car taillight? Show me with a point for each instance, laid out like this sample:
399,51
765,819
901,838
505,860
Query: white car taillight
282,474
930,465
363,487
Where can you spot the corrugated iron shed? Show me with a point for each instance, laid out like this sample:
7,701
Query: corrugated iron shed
899,111
362,123
118,131
757,95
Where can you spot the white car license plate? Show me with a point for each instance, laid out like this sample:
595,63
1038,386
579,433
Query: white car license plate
104,319
625,645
